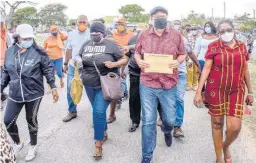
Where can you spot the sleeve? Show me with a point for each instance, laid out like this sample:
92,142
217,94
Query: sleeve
138,46
48,70
80,55
198,45
118,54
211,52
246,53
187,46
69,47
5,78
181,46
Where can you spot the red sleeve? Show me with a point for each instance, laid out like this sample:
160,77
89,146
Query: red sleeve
211,52
138,45
181,46
246,53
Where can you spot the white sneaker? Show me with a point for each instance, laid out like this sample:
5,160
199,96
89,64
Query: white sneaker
31,153
17,147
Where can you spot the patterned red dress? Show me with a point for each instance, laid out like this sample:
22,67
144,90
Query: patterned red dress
225,88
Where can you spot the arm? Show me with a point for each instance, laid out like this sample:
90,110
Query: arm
45,44
248,79
63,36
193,57
204,75
48,71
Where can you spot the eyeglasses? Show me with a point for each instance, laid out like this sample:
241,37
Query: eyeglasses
193,29
27,39
227,30
82,22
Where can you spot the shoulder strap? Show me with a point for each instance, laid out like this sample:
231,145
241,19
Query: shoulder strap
94,57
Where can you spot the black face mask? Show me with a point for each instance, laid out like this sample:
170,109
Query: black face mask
54,33
160,23
96,37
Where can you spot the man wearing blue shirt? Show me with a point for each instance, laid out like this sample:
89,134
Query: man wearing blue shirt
76,39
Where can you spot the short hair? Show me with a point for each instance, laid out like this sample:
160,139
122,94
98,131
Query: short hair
82,17
225,21
158,9
214,30
73,23
177,21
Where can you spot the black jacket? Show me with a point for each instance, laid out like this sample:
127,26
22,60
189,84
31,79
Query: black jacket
29,84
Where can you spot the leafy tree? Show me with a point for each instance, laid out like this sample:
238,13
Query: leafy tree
133,13
53,14
71,21
7,9
26,15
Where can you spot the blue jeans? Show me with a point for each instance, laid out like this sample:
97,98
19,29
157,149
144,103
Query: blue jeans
124,86
58,66
149,102
99,105
201,62
70,76
181,90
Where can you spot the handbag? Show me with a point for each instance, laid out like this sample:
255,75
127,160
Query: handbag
111,84
76,90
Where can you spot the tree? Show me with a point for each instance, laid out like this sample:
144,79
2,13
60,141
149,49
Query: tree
53,14
70,21
133,13
7,9
26,15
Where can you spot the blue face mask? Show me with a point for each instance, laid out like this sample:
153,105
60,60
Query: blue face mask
26,44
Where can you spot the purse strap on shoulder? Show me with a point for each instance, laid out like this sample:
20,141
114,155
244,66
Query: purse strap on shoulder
94,58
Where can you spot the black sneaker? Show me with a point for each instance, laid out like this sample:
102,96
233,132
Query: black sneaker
133,127
168,139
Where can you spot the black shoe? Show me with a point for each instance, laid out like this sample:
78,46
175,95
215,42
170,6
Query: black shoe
133,127
168,139
146,160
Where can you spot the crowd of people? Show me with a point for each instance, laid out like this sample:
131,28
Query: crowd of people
212,63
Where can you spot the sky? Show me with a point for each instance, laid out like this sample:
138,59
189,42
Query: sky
176,8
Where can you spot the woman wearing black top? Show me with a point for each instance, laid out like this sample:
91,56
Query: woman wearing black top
24,68
108,57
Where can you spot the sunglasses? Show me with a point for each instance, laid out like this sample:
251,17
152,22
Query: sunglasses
82,22
27,39
227,30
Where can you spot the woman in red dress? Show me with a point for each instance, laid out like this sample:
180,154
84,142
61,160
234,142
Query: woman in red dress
226,74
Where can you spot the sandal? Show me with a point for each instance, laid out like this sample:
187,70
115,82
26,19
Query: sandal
98,151
111,119
228,160
105,136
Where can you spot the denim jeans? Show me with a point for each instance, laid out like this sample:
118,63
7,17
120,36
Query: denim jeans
58,66
201,62
181,90
149,102
124,86
99,105
70,76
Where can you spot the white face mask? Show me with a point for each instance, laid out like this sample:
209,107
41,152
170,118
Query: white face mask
177,27
227,37
194,32
208,30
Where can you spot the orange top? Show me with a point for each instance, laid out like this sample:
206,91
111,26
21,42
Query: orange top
123,39
53,47
3,47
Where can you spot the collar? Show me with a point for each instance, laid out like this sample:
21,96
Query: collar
152,30
123,34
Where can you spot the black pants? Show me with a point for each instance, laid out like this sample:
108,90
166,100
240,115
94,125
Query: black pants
134,101
11,115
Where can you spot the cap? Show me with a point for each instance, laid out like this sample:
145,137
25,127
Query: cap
25,31
157,9
97,27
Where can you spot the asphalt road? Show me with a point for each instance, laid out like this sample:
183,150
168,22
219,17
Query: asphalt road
73,142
